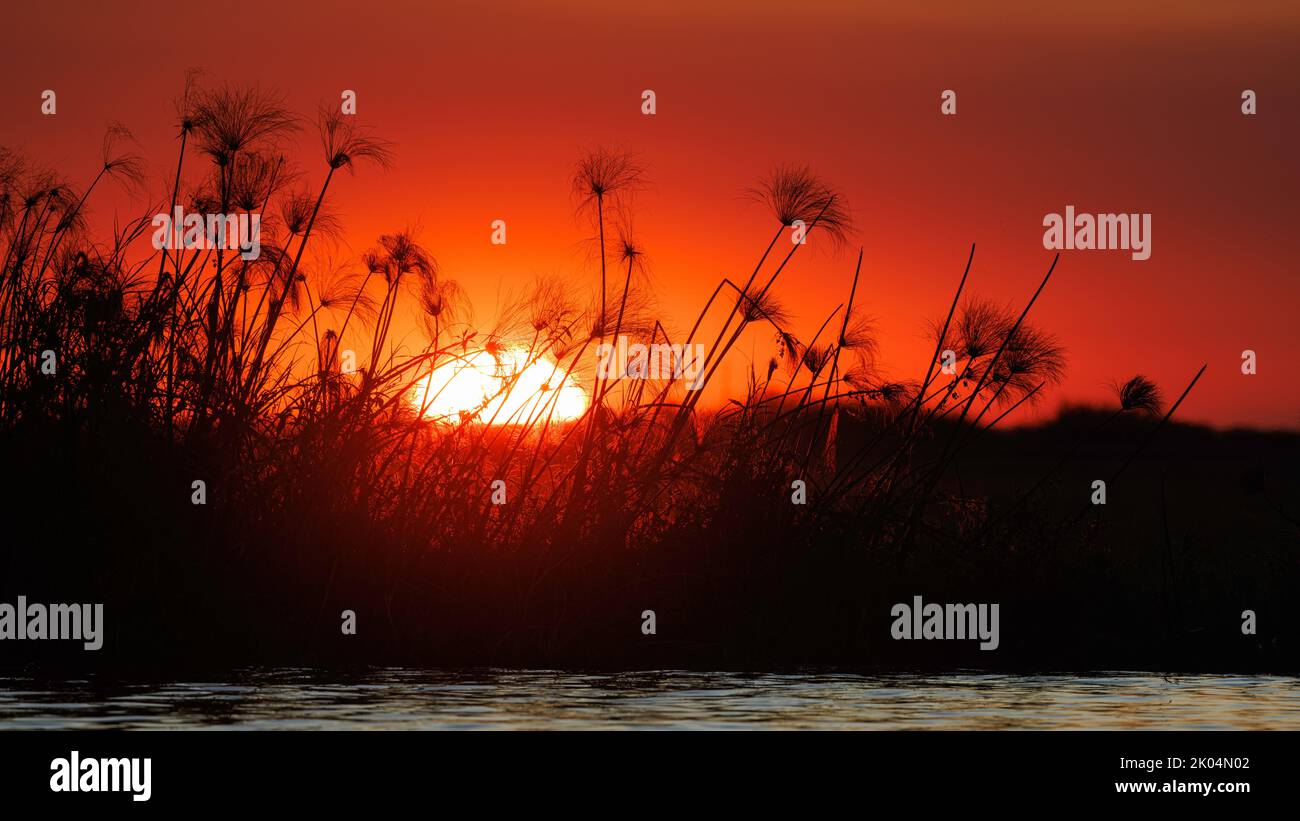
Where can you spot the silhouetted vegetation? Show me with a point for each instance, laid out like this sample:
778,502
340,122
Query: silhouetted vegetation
331,489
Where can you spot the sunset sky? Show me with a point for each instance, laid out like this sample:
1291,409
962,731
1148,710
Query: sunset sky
1109,108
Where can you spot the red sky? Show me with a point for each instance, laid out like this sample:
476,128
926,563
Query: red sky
1111,107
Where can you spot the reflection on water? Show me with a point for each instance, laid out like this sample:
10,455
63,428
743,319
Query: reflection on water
410,699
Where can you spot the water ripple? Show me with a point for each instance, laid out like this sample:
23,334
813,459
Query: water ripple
433,700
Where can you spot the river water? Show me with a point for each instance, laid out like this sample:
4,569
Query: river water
499,699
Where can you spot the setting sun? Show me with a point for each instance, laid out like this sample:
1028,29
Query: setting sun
510,390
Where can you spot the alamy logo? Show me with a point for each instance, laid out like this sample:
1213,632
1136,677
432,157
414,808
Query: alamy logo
74,774
77,622
658,361
1084,232
232,232
952,621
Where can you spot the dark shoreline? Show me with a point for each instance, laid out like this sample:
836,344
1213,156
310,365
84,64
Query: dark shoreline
1126,591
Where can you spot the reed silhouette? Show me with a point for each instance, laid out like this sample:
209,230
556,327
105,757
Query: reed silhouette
331,489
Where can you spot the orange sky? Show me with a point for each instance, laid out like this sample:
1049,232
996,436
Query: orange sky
1119,107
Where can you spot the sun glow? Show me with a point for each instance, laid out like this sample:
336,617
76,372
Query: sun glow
509,389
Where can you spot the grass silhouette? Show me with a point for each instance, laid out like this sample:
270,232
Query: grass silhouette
330,490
